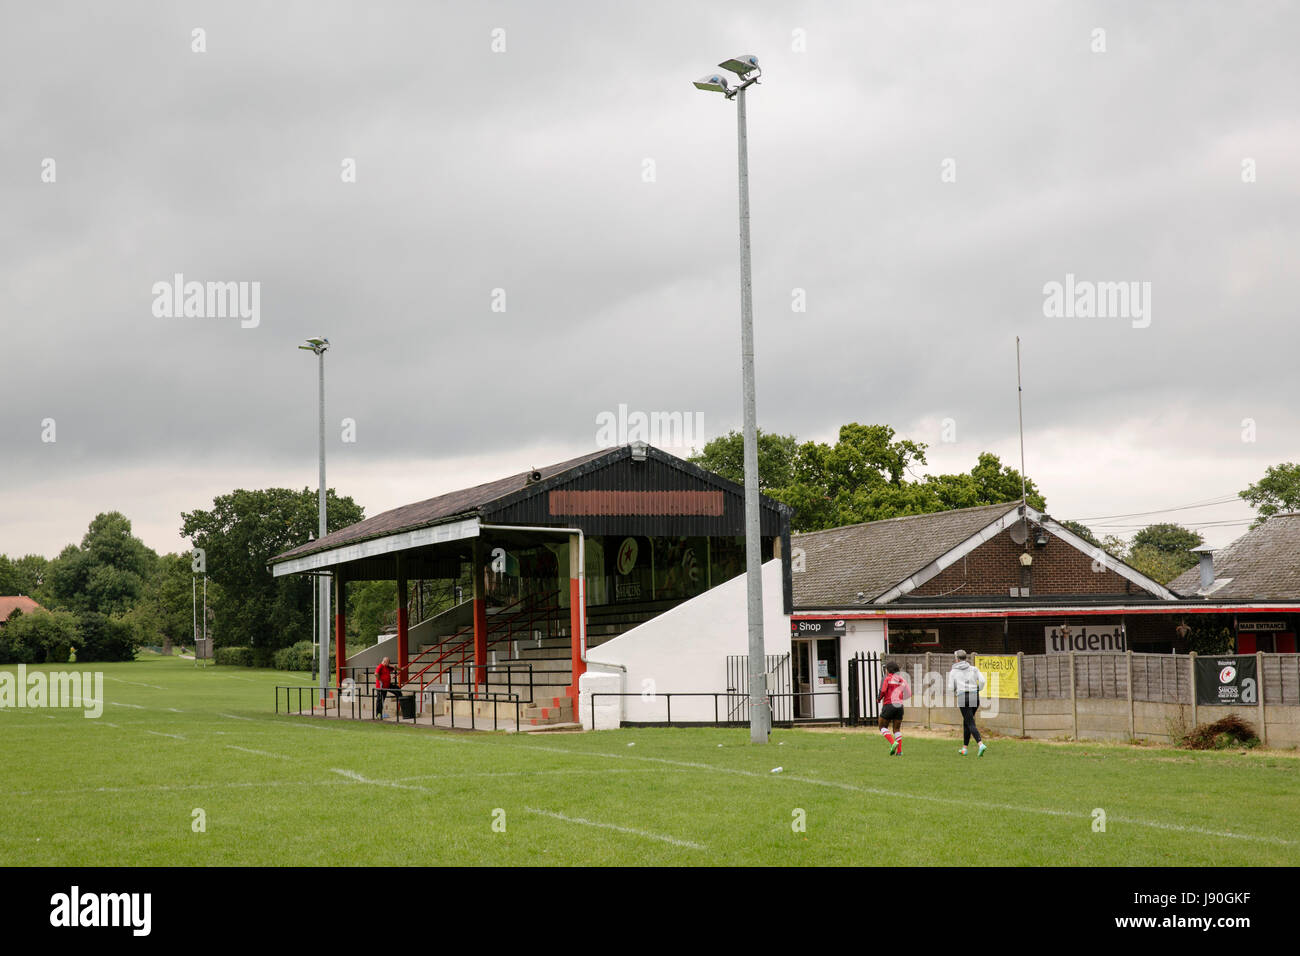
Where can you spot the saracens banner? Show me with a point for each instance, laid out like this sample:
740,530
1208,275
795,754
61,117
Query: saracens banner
1227,680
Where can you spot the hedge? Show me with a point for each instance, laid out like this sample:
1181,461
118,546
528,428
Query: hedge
233,656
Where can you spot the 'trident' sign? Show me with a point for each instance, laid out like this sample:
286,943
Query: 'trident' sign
1086,638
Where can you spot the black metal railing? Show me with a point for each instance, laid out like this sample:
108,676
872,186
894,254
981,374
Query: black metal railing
492,697
864,689
347,702
718,720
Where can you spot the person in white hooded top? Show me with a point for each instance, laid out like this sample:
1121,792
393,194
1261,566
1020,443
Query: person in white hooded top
965,683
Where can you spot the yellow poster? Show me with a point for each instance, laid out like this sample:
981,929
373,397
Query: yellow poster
1002,676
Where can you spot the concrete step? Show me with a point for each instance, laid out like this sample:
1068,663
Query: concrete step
555,710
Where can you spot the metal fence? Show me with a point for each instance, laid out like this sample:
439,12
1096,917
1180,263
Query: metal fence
778,670
1156,678
864,687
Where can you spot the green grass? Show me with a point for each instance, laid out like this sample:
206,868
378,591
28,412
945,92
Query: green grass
116,791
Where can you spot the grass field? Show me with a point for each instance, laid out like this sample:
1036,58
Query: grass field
122,790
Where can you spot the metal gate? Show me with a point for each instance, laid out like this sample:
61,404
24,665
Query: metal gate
864,686
778,674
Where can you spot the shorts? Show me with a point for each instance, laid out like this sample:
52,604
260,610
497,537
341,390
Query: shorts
891,712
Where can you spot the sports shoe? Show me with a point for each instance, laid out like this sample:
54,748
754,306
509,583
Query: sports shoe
897,749
982,749
963,751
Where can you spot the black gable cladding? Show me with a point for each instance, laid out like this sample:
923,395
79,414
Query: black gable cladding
616,494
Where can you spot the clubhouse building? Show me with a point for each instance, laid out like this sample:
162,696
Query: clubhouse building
611,589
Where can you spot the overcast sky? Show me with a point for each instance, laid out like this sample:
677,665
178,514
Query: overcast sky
921,171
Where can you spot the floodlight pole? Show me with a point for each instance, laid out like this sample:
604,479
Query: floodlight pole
322,582
760,715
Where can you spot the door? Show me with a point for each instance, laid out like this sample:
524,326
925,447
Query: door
801,656
828,678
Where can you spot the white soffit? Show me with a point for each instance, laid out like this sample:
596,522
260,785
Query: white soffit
375,547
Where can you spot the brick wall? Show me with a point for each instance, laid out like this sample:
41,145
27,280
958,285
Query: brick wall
1146,633
993,568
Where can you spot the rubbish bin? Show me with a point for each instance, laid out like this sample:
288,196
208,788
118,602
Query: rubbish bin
406,707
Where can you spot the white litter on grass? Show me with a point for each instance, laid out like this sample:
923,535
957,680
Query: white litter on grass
633,744
777,769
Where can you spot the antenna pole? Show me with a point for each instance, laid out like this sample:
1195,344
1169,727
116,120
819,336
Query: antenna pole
1020,401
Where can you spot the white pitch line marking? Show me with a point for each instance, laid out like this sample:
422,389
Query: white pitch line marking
234,717
164,787
118,703
137,683
260,753
614,826
951,801
353,775
159,733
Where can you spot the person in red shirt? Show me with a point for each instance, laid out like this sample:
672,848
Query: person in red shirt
383,686
893,691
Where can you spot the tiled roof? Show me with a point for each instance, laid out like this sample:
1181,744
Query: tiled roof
875,556
421,514
17,603
1263,565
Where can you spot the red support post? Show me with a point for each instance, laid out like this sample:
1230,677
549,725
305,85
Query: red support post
576,613
480,639
401,622
340,629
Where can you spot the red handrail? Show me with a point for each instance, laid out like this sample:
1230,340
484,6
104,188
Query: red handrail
534,607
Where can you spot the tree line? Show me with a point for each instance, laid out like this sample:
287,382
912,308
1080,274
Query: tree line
110,594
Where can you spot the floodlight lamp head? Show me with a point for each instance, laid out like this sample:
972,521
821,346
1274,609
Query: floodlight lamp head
318,345
741,65
713,83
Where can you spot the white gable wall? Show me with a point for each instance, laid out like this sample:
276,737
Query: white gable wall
685,650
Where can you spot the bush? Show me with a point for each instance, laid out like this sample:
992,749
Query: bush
1230,731
233,656
38,637
296,658
102,638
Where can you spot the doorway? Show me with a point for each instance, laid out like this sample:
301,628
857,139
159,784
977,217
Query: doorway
816,666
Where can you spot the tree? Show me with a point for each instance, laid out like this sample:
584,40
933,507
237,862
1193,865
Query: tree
104,638
1083,531
1278,492
988,483
240,534
105,573
165,611
38,637
862,477
725,456
1172,540
1154,563
369,604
